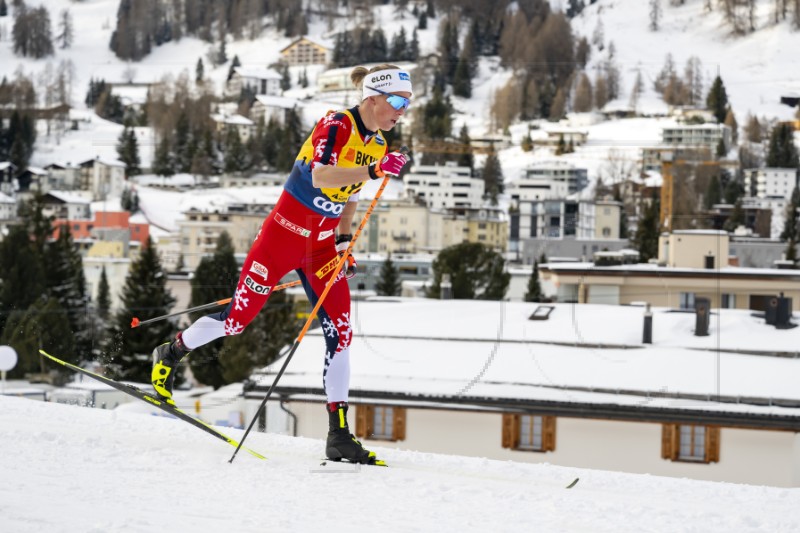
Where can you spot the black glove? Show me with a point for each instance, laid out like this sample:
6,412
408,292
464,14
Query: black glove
342,242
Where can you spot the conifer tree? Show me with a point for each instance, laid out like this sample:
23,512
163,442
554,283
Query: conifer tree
215,278
389,283
713,194
462,84
476,272
3,8
534,292
67,284
163,163
448,47
736,218
782,152
235,63
236,159
145,295
199,71
399,48
645,240
790,229
128,151
290,141
39,326
103,304
21,273
492,175
717,100
465,158
65,29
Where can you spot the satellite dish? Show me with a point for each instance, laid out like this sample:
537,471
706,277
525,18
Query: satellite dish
8,358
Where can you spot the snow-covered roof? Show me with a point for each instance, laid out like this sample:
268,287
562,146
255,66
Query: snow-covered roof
5,164
5,199
324,43
37,171
260,73
476,351
68,197
277,101
237,120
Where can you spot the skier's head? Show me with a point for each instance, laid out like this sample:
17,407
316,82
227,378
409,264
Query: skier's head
385,94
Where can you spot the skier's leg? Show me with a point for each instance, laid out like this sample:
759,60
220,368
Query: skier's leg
334,315
262,269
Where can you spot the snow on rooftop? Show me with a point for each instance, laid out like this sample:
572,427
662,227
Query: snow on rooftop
492,349
165,208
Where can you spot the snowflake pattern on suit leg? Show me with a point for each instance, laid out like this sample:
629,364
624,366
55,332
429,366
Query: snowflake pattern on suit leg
233,327
240,301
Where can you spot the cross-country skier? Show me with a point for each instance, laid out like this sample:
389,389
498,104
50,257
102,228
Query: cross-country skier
307,231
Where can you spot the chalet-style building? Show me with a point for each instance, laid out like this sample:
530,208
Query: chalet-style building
305,51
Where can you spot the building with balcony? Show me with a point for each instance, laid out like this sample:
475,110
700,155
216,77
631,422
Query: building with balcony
544,181
770,182
444,186
706,136
305,51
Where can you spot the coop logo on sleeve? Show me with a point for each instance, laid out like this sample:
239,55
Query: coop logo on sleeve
259,269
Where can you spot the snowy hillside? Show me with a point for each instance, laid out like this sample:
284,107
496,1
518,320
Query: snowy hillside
756,69
68,469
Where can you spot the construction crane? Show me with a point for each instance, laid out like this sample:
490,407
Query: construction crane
668,184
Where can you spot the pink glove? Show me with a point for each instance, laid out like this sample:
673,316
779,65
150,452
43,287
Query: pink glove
392,163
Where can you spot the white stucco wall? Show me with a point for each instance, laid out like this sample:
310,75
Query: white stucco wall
746,456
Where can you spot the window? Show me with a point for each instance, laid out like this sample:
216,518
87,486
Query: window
729,301
381,422
530,433
687,300
690,443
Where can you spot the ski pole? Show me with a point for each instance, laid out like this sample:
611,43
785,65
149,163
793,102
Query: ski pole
314,311
135,322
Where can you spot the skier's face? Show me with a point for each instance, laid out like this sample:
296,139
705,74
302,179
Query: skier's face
387,113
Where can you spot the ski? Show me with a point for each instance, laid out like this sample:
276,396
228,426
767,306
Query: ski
155,401
574,482
378,462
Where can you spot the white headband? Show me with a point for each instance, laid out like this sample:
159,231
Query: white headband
389,81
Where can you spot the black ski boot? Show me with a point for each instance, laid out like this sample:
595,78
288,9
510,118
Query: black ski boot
341,444
165,358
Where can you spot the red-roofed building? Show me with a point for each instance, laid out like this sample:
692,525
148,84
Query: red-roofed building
119,220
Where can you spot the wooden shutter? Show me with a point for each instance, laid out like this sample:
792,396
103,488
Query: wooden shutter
712,444
365,421
399,430
510,431
548,433
669,442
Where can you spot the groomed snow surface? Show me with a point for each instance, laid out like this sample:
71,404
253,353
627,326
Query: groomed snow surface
72,469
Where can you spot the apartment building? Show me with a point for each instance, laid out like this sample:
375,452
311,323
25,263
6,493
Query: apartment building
770,182
305,51
444,186
406,226
697,135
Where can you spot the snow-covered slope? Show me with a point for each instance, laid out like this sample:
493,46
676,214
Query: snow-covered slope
756,69
68,469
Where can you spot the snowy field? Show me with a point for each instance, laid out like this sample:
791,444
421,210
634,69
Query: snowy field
72,469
